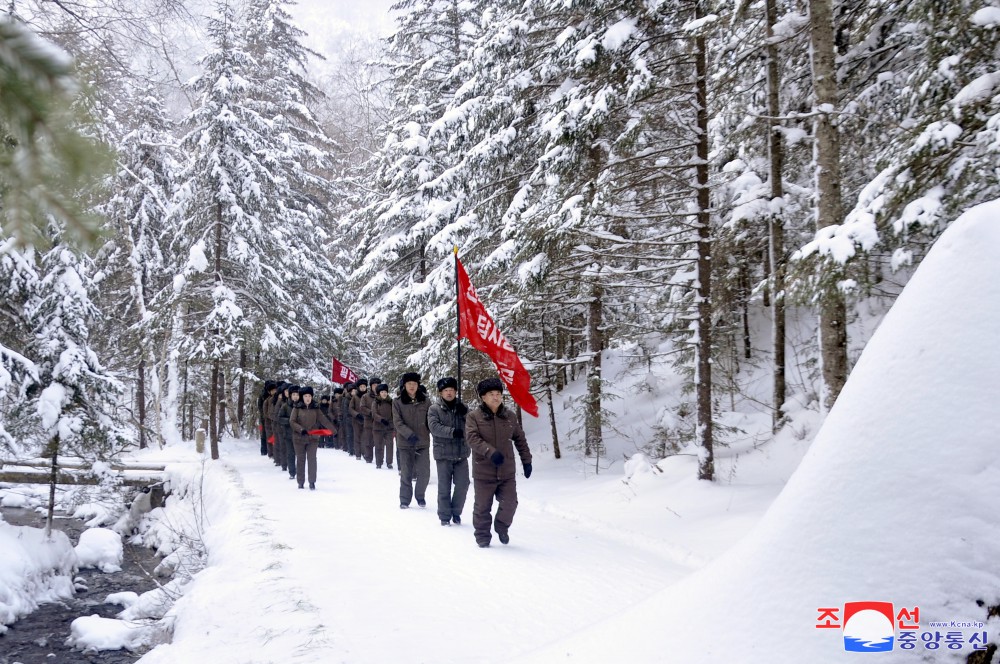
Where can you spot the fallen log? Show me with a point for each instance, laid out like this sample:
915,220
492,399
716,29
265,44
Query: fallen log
47,463
28,477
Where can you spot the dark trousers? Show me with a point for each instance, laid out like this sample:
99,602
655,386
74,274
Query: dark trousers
279,446
505,492
359,443
455,473
347,431
367,442
290,453
305,451
383,447
263,441
414,464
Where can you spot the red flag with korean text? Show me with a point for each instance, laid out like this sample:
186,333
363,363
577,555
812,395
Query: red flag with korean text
342,374
478,327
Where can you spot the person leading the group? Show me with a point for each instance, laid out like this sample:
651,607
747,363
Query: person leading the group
446,420
307,417
494,434
409,417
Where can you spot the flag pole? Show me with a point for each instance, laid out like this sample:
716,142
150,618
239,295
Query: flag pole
458,326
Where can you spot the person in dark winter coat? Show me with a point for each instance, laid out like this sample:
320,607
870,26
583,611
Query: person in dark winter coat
277,446
346,419
446,420
494,434
337,416
413,439
267,403
265,392
284,417
382,429
367,429
306,417
359,417
324,406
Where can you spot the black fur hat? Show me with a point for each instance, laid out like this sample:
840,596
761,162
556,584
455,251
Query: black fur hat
445,383
381,387
375,380
409,376
293,389
361,381
306,390
269,385
325,397
339,390
489,385
348,387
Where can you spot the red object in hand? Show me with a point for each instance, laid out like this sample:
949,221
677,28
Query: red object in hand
320,432
270,439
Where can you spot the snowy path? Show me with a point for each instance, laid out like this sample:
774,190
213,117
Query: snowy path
388,581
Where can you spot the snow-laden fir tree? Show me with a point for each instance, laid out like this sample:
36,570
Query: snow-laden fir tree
251,270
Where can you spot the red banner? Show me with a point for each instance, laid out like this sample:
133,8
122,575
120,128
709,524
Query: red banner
478,327
342,374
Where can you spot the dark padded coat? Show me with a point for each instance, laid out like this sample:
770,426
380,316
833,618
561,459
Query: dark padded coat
409,417
443,419
487,433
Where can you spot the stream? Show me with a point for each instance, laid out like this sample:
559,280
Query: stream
40,637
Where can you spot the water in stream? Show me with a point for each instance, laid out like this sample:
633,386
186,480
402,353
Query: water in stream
40,637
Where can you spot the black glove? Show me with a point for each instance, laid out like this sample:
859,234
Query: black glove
497,458
527,470
359,417
384,422
305,432
412,439
459,434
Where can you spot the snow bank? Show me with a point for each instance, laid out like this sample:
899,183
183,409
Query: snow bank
100,548
896,500
33,570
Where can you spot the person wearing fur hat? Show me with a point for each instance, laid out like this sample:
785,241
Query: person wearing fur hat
284,418
413,439
307,417
270,389
337,417
494,435
265,392
446,420
324,406
382,428
346,423
368,429
359,418
277,401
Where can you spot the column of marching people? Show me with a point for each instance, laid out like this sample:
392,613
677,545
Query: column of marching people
365,420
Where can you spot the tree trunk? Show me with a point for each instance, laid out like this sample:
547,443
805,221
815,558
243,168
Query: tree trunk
829,207
213,409
140,398
706,460
549,396
241,395
53,480
593,443
184,402
775,224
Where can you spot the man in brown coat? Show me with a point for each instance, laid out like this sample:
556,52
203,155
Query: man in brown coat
358,417
306,416
413,439
367,428
493,433
382,428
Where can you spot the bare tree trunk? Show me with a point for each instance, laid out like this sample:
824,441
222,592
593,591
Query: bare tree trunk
140,398
184,402
829,207
706,461
776,225
53,479
592,436
213,409
241,395
549,396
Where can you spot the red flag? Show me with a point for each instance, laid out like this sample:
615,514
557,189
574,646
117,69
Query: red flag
478,327
342,374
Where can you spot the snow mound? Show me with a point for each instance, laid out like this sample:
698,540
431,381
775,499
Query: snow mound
100,548
896,500
91,633
33,570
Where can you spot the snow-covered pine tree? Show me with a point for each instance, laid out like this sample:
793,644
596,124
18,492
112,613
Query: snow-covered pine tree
401,267
135,279
75,409
18,280
251,272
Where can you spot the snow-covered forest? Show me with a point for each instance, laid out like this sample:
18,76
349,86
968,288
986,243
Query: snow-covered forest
689,217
